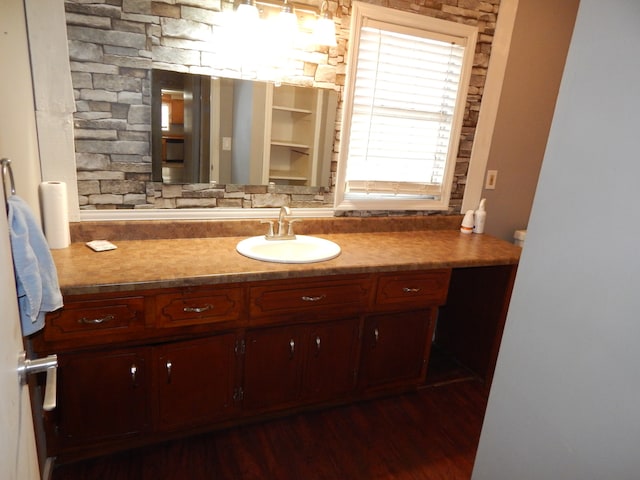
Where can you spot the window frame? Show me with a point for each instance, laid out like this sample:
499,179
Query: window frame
384,15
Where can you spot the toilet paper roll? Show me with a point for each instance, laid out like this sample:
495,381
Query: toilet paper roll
55,213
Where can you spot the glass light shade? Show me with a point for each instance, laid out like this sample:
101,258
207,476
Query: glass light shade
324,32
248,12
288,24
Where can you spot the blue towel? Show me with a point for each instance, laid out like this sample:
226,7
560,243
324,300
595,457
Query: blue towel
36,275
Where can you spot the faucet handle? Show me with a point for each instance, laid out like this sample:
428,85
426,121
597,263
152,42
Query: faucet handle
291,222
270,232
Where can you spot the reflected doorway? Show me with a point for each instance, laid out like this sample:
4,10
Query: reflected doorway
180,111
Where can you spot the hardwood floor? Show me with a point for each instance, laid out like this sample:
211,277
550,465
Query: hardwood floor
431,434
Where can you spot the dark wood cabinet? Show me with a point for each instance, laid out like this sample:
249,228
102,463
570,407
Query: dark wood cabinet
95,320
310,299
404,290
291,365
395,349
195,381
220,305
173,361
470,325
272,362
330,366
102,395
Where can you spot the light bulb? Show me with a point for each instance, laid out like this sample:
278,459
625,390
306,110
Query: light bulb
324,32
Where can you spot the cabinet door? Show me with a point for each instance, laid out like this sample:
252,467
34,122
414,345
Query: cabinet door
396,348
102,395
195,381
272,363
329,371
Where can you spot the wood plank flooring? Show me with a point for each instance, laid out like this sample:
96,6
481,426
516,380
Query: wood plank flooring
428,435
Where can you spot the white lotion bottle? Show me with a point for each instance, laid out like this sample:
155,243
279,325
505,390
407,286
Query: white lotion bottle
480,217
467,222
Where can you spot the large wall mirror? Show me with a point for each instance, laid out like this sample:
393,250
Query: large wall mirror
144,140
224,130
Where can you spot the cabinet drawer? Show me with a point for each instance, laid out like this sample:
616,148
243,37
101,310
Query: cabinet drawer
202,306
414,289
309,298
91,321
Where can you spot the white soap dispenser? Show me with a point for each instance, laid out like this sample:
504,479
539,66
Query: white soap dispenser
467,222
480,216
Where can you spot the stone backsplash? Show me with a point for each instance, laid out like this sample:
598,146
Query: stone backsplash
114,44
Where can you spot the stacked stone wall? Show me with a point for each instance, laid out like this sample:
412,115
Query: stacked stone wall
113,46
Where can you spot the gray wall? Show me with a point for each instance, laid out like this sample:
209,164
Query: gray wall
537,53
565,402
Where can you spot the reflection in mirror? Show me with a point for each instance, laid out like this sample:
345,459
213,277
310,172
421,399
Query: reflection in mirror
235,131
298,135
180,127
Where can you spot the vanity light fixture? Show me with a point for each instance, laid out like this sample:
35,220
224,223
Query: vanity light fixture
247,11
287,13
324,32
287,20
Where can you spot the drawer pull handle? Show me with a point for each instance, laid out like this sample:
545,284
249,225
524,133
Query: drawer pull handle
134,375
169,365
306,298
410,290
205,308
292,348
96,321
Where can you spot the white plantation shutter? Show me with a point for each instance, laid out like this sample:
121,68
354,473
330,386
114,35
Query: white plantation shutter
408,95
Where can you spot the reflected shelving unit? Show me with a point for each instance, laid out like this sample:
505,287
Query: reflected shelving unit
294,135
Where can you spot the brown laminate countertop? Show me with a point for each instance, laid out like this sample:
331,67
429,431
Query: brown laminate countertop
146,264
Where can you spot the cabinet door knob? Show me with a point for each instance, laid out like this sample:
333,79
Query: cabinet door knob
376,336
292,348
169,365
134,375
317,345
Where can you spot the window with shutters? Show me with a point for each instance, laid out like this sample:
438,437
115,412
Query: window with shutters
405,97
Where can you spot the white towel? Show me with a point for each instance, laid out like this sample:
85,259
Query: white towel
36,275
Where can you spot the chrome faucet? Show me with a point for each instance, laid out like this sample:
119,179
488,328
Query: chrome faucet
282,218
285,226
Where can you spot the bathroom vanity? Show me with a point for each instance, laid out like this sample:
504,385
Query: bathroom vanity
164,338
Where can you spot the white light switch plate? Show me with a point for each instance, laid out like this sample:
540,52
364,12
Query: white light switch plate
492,178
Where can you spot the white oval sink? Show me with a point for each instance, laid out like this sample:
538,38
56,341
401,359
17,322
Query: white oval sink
303,249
